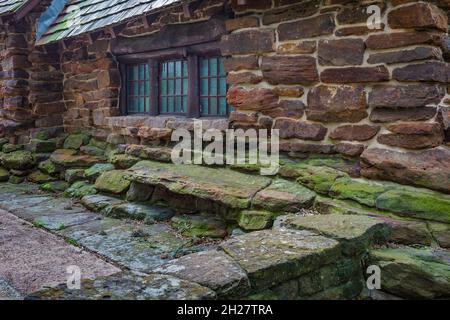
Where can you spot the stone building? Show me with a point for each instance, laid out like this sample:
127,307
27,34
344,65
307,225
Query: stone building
313,69
365,82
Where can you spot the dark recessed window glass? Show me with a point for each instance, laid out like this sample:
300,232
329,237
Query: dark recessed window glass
173,87
138,88
213,87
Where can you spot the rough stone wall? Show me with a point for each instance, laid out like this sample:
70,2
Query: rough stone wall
315,71
30,78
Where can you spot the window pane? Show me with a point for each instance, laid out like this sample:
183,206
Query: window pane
178,87
213,87
223,106
173,87
136,72
213,106
204,106
138,88
163,88
163,105
170,105
185,86
178,70
222,72
223,86
204,87
204,68
213,67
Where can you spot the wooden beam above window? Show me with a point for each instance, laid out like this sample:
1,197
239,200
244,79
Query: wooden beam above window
171,36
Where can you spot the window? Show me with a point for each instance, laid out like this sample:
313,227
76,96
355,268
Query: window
213,87
173,94
138,88
194,86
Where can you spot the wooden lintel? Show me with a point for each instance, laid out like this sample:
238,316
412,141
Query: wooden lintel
171,36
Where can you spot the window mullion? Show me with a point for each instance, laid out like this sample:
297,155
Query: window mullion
193,90
154,87
123,90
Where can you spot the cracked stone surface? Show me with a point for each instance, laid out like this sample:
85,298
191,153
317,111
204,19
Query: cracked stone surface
212,269
228,187
130,287
272,256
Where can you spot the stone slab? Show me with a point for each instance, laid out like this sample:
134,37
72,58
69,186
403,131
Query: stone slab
414,273
271,257
228,187
212,269
129,287
356,233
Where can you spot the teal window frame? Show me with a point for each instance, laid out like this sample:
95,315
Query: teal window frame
138,88
213,87
167,91
173,87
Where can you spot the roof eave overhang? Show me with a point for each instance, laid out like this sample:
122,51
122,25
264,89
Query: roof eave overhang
25,9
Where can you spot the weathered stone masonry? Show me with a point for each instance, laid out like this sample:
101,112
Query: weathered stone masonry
331,85
30,78
352,104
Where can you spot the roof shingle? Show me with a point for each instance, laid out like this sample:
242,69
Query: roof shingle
83,16
10,6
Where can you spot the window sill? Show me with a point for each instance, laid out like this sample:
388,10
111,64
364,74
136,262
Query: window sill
169,122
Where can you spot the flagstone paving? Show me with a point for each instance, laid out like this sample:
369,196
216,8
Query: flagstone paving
31,258
301,257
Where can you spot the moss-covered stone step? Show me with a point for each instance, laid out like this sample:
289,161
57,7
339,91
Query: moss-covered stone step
18,160
402,230
205,267
355,233
68,158
4,175
413,273
149,214
129,287
385,196
98,202
417,203
114,182
319,179
75,141
80,189
283,196
93,172
252,220
228,187
162,154
202,225
271,257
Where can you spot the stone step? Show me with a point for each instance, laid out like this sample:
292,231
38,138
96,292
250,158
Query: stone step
355,233
413,273
128,287
271,257
418,203
230,188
